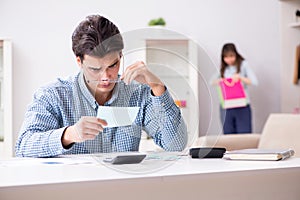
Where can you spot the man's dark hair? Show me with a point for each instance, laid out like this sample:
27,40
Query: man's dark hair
96,36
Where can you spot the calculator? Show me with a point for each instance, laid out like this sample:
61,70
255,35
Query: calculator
125,159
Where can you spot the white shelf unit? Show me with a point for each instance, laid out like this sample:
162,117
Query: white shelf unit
290,39
6,143
170,59
173,58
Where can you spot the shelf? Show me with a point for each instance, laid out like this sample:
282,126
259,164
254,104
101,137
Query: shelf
6,133
294,25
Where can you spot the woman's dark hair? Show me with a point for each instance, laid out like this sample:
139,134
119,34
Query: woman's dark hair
230,48
96,36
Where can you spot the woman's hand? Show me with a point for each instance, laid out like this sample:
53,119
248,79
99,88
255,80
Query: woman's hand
237,77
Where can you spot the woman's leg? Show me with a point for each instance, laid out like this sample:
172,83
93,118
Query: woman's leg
243,120
228,121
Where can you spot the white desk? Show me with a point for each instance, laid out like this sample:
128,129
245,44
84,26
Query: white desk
182,179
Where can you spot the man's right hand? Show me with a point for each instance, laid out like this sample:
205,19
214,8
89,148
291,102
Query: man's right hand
87,128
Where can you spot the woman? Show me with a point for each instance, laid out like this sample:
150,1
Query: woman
234,66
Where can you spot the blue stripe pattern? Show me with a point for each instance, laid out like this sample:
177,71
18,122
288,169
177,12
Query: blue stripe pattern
62,103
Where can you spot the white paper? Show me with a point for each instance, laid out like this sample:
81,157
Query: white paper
117,116
47,161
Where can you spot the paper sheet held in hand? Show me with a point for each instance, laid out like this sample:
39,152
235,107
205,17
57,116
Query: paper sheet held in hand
117,116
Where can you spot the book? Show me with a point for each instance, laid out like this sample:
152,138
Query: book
231,94
259,154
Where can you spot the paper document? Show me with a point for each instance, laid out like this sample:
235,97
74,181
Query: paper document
47,161
117,116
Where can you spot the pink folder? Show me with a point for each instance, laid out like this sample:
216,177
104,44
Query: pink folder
232,94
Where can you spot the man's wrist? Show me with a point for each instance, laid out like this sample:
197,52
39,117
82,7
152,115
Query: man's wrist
65,140
158,89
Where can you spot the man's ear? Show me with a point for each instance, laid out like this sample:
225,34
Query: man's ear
78,60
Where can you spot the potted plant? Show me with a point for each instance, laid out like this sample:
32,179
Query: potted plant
157,22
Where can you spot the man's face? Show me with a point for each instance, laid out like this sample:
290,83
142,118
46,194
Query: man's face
101,73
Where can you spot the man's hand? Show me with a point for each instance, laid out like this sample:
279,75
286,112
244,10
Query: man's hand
140,73
87,128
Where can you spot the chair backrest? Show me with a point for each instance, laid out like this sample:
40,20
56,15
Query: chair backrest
281,131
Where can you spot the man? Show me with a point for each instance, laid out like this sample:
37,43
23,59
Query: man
61,118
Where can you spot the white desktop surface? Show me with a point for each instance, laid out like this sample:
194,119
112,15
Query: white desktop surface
186,177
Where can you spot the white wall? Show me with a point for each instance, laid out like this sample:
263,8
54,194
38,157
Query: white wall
41,33
254,27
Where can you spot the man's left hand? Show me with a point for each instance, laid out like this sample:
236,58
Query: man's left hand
140,73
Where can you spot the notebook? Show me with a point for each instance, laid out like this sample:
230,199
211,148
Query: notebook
259,154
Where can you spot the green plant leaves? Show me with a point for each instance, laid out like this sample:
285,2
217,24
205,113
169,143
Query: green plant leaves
158,21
